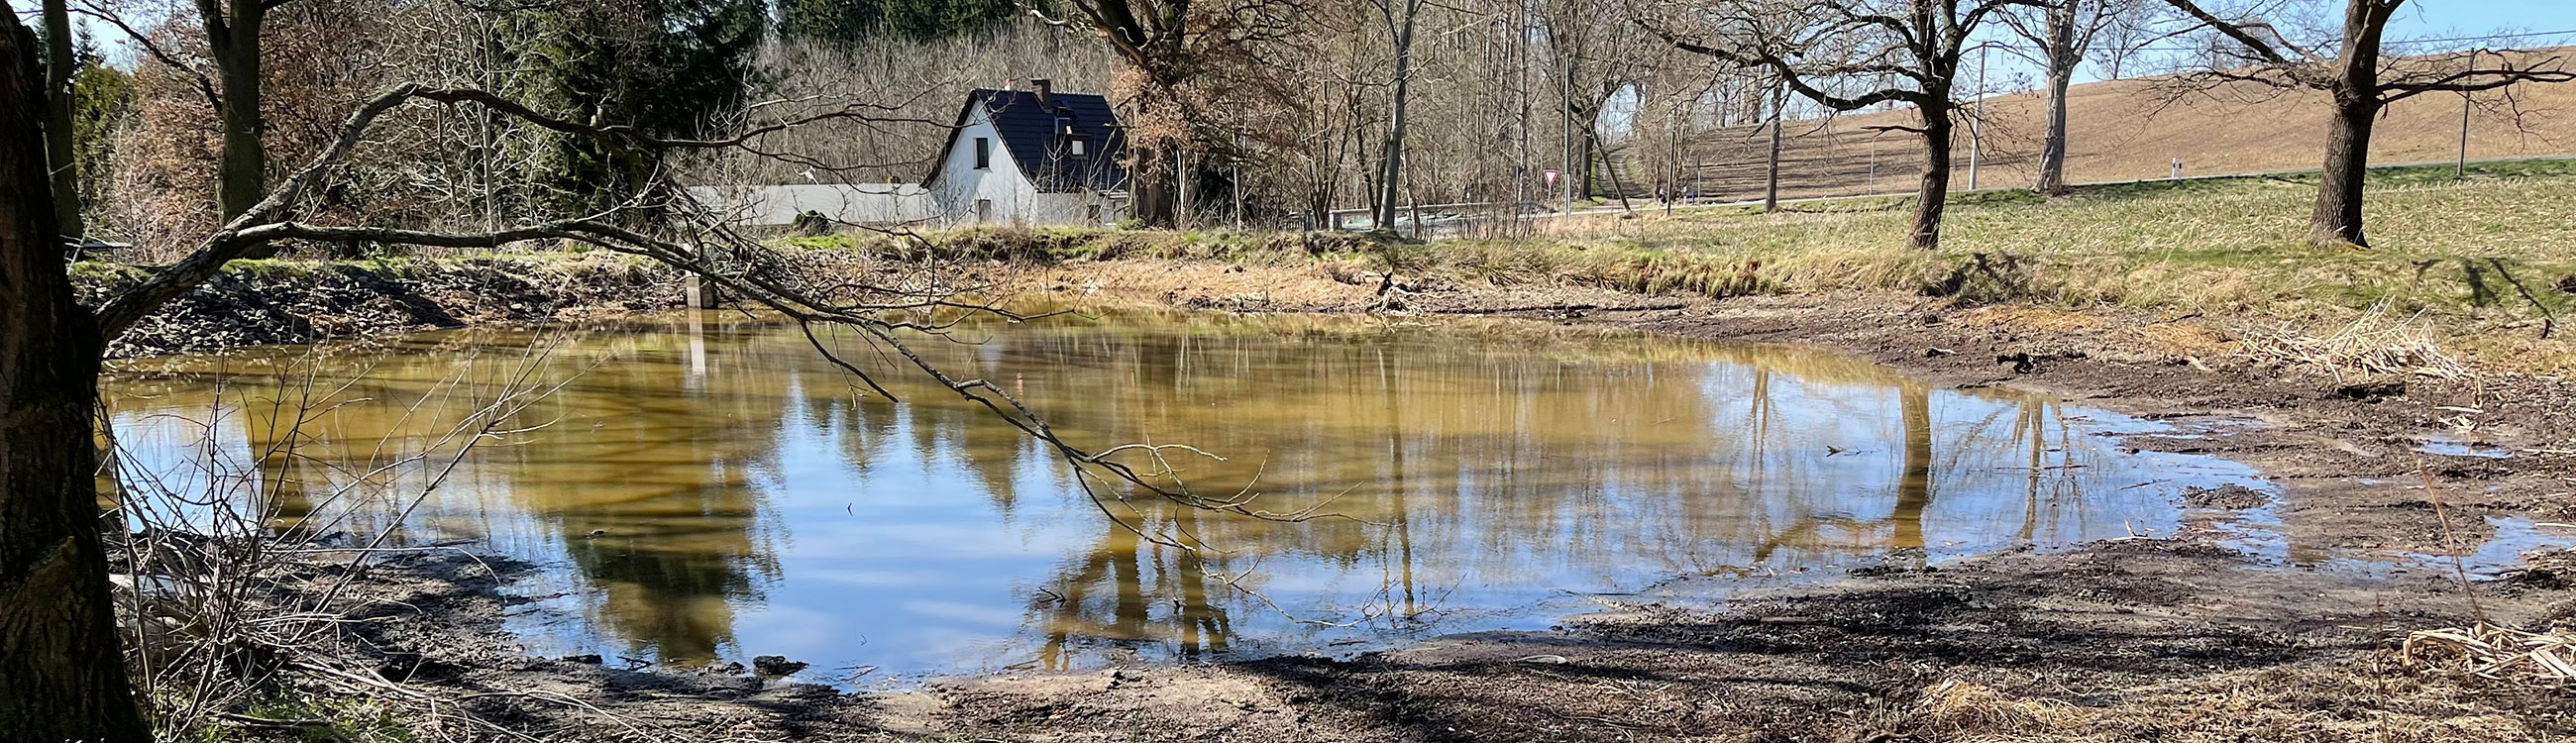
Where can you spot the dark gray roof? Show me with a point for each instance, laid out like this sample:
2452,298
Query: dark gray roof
1035,136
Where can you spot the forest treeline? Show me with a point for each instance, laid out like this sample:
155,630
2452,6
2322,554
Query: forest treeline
1251,109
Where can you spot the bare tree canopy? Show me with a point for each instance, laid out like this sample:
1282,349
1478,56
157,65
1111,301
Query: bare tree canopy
2353,68
1850,55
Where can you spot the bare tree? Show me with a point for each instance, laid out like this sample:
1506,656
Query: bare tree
1399,16
2064,32
1898,51
1184,56
2352,70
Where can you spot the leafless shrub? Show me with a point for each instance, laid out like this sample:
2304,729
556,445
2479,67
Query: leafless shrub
233,577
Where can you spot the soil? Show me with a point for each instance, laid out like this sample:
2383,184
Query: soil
297,302
2155,637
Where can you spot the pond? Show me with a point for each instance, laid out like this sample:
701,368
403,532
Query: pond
705,487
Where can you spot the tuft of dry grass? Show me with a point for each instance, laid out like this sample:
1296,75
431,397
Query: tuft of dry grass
2496,653
2375,344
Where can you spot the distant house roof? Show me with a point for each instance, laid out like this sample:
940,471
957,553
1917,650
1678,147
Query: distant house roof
1036,136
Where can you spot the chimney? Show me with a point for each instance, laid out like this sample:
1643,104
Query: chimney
1044,87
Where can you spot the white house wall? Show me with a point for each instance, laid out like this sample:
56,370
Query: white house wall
857,203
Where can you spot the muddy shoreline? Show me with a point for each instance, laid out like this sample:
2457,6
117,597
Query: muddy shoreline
2156,637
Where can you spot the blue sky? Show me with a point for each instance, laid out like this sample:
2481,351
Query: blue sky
2442,18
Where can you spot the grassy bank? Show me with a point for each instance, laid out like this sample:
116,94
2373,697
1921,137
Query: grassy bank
2439,244
2476,263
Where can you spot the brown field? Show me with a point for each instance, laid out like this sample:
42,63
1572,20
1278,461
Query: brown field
2130,130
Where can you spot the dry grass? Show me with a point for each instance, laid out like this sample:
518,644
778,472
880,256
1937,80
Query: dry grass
2126,130
2477,263
2302,704
2496,653
2374,344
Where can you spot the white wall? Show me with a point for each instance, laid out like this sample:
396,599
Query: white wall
1015,201
861,203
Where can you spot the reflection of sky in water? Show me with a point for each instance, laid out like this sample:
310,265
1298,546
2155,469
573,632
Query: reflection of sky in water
726,492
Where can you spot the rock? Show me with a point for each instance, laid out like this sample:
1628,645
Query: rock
775,665
2228,497
587,659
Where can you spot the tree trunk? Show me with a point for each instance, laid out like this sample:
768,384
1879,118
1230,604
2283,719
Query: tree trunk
2062,58
2337,220
1914,478
241,173
1930,200
1771,169
59,156
1584,144
62,667
1390,191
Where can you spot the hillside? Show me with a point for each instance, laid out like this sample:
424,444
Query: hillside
2131,130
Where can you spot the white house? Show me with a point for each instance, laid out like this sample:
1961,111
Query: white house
1032,157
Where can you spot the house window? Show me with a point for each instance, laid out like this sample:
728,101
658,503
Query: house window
983,153
983,210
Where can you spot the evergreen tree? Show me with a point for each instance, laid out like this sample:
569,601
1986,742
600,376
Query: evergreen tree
846,24
668,68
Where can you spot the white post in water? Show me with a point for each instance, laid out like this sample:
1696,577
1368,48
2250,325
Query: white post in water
2177,168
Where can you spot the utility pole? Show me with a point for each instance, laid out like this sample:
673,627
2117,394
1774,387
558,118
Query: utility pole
2462,172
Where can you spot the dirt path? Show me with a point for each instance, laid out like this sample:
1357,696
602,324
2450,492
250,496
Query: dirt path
2163,637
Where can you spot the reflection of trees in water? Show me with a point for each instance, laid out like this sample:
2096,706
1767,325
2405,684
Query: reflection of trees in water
1472,464
1475,458
682,538
1128,591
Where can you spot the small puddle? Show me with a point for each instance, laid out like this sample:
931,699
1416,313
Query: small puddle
704,487
2453,446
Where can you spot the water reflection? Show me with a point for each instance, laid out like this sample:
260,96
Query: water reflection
709,487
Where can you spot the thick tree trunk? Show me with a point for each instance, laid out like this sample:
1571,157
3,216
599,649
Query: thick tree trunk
1771,168
2052,148
1931,199
241,172
59,155
2337,220
2062,58
62,668
1390,192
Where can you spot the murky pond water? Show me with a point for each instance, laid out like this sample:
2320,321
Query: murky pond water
707,486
